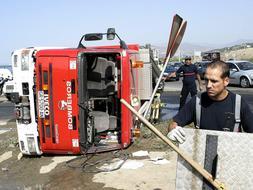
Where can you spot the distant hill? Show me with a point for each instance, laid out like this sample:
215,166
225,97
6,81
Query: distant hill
242,41
184,48
240,49
235,47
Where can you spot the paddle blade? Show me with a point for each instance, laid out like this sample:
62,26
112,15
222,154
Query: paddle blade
178,39
176,24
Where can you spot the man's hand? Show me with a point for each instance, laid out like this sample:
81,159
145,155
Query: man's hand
177,134
173,74
201,87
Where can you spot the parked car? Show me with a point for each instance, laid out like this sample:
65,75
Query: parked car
8,88
5,75
202,68
177,65
241,73
170,73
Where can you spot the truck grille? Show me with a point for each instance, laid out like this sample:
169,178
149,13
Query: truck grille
9,88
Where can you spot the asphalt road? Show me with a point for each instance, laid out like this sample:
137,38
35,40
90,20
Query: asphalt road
6,111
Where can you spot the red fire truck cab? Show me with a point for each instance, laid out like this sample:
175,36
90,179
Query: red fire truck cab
78,94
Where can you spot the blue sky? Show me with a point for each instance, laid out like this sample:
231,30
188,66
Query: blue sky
62,22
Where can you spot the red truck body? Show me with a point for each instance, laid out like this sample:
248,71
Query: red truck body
78,94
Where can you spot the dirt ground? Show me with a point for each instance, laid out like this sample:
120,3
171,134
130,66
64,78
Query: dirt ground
27,172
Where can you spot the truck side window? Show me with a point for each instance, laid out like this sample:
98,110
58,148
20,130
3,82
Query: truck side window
15,60
45,77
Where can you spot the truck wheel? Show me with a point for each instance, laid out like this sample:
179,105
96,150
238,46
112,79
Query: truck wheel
244,82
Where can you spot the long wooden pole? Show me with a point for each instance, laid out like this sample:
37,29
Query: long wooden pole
194,164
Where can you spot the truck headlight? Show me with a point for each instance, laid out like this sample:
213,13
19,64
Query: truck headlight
9,88
31,144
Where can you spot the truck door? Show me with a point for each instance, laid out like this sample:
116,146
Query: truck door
57,104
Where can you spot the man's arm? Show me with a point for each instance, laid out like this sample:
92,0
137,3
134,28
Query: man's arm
180,69
185,115
200,82
201,87
246,117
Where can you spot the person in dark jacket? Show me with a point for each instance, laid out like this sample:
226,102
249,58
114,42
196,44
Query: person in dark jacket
217,104
190,72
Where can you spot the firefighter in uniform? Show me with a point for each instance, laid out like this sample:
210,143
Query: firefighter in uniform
216,109
190,72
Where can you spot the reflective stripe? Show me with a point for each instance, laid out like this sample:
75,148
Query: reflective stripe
198,110
237,113
189,74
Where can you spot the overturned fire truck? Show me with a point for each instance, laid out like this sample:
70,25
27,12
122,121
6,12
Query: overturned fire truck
68,99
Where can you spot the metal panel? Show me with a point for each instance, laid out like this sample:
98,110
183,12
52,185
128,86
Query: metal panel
145,76
145,81
234,169
144,55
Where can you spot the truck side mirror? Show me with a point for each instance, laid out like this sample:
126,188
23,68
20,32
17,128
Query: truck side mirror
93,36
110,34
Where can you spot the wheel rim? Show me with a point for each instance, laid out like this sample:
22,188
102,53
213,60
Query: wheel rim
244,82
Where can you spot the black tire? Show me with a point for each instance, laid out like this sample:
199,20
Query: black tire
8,96
244,82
